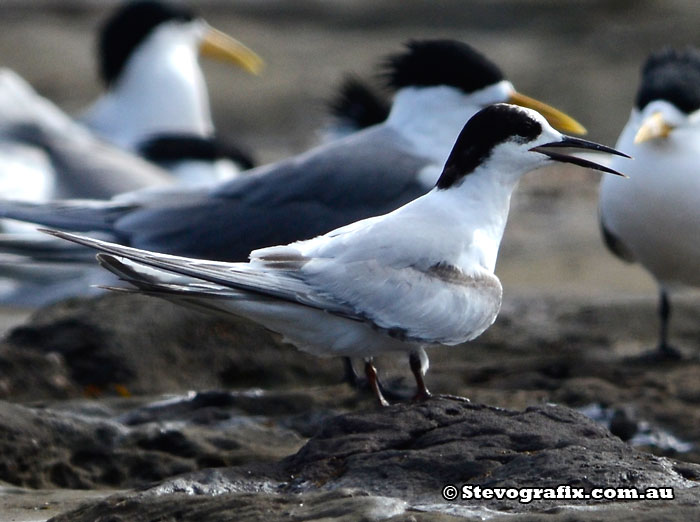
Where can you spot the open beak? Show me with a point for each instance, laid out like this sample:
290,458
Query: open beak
555,117
220,46
653,127
579,144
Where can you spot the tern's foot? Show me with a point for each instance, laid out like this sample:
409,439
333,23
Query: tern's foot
453,397
661,354
393,392
422,395
669,353
373,382
382,402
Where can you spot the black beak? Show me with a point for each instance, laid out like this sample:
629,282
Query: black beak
578,143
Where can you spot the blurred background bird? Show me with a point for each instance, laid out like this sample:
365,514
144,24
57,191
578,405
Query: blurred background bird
151,127
654,217
155,104
155,90
355,105
439,85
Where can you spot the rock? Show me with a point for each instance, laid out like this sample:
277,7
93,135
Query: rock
27,374
548,350
623,424
127,344
397,460
89,445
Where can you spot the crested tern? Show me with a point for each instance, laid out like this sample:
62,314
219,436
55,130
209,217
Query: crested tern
439,85
654,218
155,90
354,106
420,276
148,61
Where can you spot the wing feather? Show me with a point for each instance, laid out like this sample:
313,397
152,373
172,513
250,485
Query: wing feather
438,305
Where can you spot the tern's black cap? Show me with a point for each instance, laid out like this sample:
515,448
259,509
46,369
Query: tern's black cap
485,130
427,63
128,27
672,75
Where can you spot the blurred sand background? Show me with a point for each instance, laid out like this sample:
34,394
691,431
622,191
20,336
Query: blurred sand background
582,56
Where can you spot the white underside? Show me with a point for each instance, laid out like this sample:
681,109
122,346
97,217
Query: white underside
656,212
315,331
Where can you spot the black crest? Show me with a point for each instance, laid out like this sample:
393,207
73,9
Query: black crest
487,128
428,63
672,75
181,147
358,105
128,27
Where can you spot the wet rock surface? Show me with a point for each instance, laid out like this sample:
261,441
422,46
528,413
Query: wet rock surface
393,462
112,345
85,445
306,446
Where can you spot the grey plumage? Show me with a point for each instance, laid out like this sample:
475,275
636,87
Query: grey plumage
84,166
299,198
368,173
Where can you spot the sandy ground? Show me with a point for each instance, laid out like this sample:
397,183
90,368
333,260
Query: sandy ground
29,505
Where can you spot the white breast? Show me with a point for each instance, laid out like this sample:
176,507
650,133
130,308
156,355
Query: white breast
656,212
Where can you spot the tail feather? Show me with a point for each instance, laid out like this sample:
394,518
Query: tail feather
139,275
198,295
157,281
77,215
212,277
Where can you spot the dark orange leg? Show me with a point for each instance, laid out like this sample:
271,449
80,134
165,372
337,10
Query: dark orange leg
371,373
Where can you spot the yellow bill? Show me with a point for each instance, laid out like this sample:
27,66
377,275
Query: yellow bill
555,117
653,127
220,46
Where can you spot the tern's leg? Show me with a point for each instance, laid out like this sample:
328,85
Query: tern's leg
419,365
359,383
371,373
666,351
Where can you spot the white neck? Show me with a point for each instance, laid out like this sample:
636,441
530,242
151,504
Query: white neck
431,118
470,219
486,202
161,90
